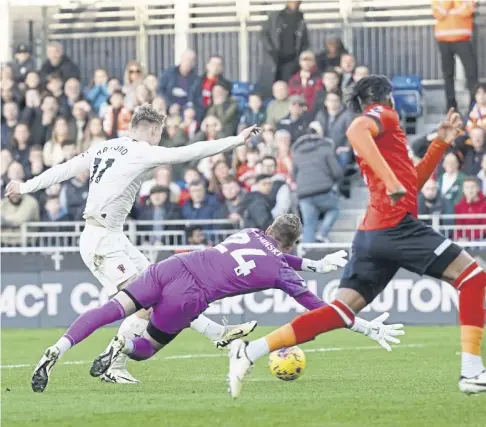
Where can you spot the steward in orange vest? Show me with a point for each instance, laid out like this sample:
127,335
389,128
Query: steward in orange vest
454,20
453,32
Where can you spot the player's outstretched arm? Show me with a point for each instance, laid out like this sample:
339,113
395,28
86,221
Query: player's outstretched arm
360,135
198,150
325,265
54,175
448,131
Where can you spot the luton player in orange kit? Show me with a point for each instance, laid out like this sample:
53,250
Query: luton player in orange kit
390,237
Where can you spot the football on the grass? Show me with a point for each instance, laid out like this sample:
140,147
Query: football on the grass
287,364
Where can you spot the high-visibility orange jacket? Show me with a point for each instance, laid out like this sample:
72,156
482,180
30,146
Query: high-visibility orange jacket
454,19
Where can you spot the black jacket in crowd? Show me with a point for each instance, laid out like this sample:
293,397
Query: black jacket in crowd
315,166
256,211
336,129
271,40
66,68
296,128
20,70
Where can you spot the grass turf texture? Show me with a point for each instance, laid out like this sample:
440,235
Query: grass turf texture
357,384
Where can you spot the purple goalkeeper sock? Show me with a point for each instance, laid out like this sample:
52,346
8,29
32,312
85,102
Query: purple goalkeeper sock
142,349
94,319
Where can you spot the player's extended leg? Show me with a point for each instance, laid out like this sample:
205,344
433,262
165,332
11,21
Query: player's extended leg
420,249
119,262
222,335
338,314
363,279
180,301
469,279
117,308
115,262
138,348
136,324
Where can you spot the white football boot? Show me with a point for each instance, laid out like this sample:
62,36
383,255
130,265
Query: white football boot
473,385
106,359
239,366
234,332
118,372
42,371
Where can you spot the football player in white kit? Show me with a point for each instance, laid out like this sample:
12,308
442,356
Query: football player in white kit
118,167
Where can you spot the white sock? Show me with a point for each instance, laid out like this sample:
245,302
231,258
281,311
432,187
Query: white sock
471,365
214,331
131,327
63,345
256,349
129,347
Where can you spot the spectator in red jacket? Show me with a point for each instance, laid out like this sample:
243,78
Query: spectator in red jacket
473,202
306,82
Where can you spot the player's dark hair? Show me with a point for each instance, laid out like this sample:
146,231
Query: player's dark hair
286,229
369,90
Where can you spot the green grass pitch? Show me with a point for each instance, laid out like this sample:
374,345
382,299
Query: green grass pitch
349,382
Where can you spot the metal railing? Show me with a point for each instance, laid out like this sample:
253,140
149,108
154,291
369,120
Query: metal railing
390,37
47,235
141,233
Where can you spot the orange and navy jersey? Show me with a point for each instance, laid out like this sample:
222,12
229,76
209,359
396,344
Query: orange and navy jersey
392,144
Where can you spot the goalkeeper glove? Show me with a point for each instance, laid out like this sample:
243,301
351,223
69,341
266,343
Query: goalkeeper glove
378,331
327,264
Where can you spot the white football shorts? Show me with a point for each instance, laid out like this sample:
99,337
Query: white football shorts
110,256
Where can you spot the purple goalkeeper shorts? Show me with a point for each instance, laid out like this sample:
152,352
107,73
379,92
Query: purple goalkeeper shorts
173,293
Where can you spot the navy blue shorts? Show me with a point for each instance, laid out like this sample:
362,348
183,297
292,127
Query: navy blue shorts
377,255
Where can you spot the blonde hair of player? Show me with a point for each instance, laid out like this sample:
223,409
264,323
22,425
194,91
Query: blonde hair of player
147,124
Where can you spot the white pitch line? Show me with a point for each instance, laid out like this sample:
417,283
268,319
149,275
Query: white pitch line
224,354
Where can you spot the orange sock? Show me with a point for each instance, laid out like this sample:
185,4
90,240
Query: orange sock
471,285
308,325
471,337
281,337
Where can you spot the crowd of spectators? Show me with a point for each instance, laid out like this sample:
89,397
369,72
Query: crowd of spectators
298,163
459,184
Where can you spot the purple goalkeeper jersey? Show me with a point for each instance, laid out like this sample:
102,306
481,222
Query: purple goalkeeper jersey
248,261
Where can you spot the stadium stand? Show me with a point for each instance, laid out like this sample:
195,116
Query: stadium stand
78,71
